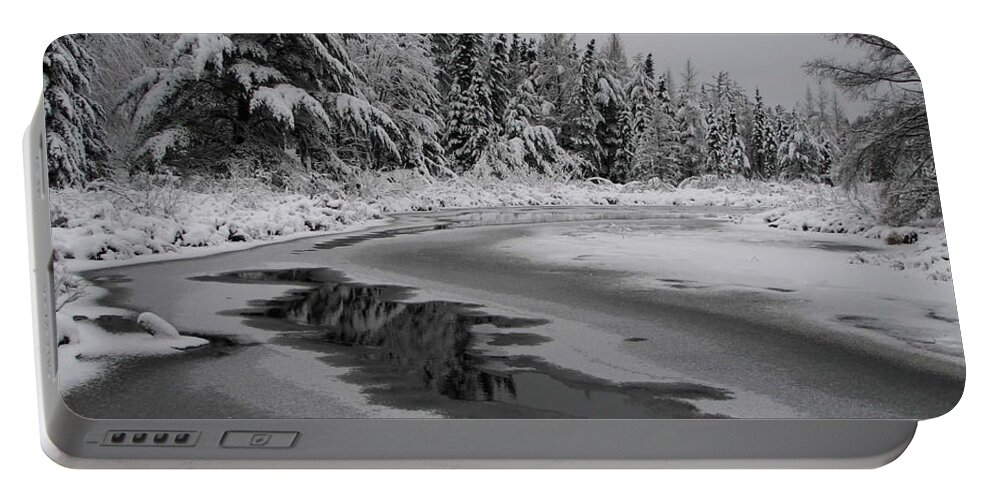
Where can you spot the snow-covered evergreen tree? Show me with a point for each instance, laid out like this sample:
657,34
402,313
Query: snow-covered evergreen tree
726,149
582,114
641,94
499,75
399,79
556,78
759,138
614,131
658,147
615,57
469,123
74,139
801,154
122,57
690,120
775,134
716,142
269,103
524,146
736,156
442,51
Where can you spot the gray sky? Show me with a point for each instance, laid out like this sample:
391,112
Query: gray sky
773,63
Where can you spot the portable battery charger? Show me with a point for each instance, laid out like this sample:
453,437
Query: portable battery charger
486,250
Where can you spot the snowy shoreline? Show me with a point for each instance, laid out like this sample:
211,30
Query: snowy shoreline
123,223
109,229
116,235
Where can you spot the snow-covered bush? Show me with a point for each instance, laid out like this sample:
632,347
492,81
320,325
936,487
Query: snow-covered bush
121,221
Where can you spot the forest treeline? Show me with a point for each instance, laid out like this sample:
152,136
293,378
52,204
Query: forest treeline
288,109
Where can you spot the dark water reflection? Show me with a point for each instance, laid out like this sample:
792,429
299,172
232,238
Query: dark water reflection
425,355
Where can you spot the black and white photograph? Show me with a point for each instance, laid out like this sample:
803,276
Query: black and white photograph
496,226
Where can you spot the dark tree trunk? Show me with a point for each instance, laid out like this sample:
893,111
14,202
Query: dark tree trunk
241,125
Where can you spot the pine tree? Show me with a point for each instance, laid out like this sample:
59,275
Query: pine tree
442,50
499,77
690,119
657,149
74,139
556,77
641,94
614,131
582,116
470,117
131,55
615,57
400,81
262,103
801,155
759,139
663,95
525,145
736,157
774,136
517,47
716,142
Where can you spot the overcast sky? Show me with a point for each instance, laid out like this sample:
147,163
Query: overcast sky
773,63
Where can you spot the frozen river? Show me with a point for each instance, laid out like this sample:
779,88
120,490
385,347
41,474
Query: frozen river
536,313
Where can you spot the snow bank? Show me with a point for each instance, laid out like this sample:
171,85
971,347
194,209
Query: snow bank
122,223
921,248
86,349
156,326
800,274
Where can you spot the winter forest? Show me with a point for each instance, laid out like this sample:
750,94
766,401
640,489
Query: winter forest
303,112
157,143
599,201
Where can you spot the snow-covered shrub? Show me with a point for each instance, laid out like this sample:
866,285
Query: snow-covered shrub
68,287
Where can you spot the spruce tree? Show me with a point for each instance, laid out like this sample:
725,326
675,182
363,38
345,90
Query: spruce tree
800,155
775,134
248,103
615,57
400,80
641,93
736,157
663,96
716,142
760,130
499,76
556,77
442,50
657,149
525,143
74,139
614,131
690,119
470,121
582,116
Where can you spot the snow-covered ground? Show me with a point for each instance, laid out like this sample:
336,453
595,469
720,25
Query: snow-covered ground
105,227
86,349
810,273
920,249
122,223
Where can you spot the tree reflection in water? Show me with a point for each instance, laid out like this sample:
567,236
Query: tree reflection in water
427,341
405,350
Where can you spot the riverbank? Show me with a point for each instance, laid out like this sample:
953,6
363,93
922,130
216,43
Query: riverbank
156,219
120,222
114,227
540,331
